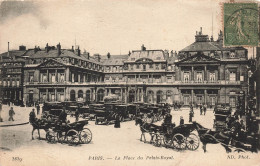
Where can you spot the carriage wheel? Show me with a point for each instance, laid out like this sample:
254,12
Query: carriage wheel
50,136
61,136
73,137
179,141
193,142
85,136
167,141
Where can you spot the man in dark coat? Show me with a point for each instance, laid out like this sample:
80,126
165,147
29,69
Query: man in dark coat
11,114
168,118
181,120
38,109
77,115
32,116
190,116
63,116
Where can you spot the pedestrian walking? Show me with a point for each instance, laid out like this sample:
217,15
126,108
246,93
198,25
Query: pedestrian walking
117,122
200,109
32,116
77,115
11,114
190,116
181,120
205,109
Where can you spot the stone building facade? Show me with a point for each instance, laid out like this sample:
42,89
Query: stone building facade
204,72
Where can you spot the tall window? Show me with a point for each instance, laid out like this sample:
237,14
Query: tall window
150,66
53,77
232,76
62,77
44,77
186,76
199,76
144,67
31,77
212,77
232,101
137,66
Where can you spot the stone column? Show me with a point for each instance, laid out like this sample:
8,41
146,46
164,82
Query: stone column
205,73
192,96
192,73
47,76
56,75
55,94
205,96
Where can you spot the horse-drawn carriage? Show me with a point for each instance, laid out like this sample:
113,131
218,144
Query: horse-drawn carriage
178,137
221,114
73,133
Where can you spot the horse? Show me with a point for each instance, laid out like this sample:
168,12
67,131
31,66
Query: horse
147,128
38,124
208,136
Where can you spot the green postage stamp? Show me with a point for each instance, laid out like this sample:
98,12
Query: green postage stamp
241,21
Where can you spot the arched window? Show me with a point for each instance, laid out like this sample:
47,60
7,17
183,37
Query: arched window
169,98
72,95
131,96
80,95
100,95
150,96
159,96
88,95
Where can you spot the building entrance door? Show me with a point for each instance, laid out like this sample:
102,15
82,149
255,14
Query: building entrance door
186,100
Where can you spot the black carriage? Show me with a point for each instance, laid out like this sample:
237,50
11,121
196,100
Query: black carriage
52,110
132,110
180,137
73,133
122,112
221,114
86,113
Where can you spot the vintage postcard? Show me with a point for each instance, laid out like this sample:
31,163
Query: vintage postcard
129,82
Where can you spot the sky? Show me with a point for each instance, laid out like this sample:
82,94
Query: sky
102,26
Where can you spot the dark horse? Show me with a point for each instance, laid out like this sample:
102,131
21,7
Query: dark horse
38,124
147,128
208,136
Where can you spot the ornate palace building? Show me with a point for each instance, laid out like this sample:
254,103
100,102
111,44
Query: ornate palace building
204,72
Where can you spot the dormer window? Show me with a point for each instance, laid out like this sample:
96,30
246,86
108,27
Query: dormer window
232,55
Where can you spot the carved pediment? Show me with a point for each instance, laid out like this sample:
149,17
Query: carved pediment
199,58
51,63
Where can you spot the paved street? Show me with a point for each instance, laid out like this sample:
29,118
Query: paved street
108,142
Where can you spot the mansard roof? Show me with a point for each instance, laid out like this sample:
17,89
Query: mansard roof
54,54
155,55
113,60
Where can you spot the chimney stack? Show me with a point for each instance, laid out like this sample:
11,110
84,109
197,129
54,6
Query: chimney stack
78,51
8,47
35,49
72,48
143,48
88,55
108,55
59,49
47,48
